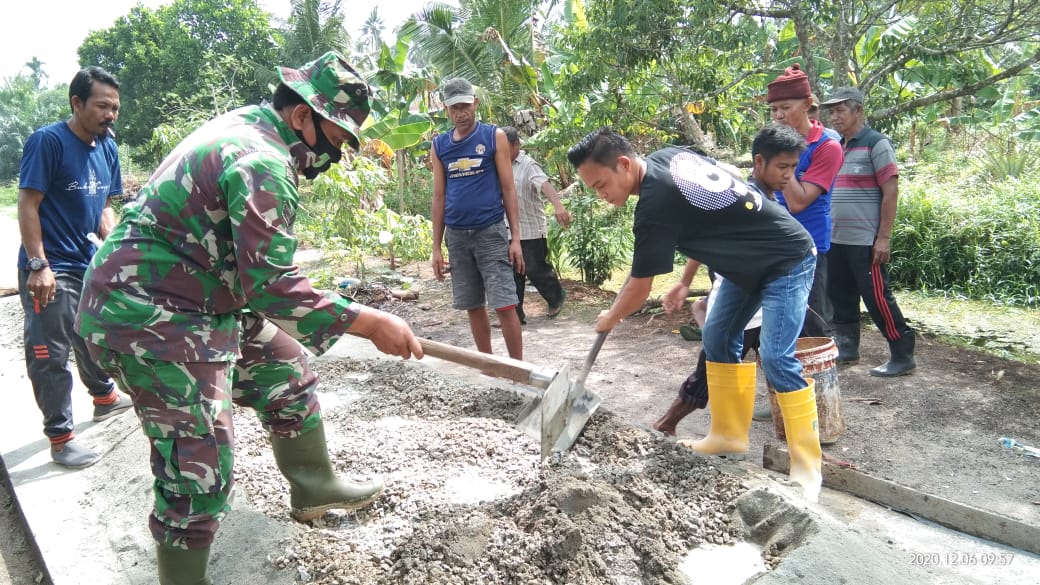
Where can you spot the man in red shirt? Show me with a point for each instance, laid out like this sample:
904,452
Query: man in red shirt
808,195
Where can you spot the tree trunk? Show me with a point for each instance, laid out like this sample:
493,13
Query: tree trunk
402,174
913,141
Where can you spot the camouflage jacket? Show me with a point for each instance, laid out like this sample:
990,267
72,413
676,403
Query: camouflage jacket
209,237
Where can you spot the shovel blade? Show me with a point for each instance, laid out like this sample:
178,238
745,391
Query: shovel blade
581,405
557,418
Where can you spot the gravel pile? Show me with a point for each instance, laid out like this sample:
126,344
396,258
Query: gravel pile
467,500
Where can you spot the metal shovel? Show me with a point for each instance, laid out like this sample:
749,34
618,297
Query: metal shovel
558,414
562,412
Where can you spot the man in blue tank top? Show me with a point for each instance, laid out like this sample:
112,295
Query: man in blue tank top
69,173
472,189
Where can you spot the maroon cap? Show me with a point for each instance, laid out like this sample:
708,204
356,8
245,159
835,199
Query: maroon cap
792,84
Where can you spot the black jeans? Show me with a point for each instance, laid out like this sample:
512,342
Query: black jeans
541,274
853,275
49,340
819,301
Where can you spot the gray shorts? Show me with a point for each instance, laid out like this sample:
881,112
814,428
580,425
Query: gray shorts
480,270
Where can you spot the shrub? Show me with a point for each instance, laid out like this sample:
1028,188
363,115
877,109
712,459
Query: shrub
1008,157
599,240
979,241
345,215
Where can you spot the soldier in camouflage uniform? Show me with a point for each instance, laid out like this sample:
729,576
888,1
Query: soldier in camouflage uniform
193,303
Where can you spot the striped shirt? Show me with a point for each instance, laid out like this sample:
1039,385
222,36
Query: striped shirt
870,160
529,178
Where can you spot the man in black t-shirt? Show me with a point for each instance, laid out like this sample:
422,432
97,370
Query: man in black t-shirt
690,204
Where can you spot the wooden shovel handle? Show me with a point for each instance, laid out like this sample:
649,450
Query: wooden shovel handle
499,367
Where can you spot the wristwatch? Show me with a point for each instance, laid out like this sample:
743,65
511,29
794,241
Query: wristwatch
37,264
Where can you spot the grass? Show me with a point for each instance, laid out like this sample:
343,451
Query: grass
9,200
1004,331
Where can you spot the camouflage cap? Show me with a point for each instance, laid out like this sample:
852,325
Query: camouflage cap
333,89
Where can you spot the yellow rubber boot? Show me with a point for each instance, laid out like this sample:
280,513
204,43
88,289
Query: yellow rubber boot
803,438
731,398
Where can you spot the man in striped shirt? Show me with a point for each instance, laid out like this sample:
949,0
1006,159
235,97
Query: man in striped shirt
531,184
863,209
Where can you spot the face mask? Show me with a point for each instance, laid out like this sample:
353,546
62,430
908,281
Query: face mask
325,153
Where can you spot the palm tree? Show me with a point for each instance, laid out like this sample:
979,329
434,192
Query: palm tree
314,28
489,42
36,72
371,39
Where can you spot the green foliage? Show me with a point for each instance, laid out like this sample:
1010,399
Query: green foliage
25,106
198,54
489,42
414,194
674,70
1009,158
315,27
9,195
599,240
346,216
399,238
555,245
981,241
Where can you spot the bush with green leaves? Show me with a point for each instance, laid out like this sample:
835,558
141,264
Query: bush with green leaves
599,240
977,239
398,238
1006,156
344,215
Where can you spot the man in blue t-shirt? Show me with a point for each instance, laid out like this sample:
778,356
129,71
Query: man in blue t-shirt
69,173
472,189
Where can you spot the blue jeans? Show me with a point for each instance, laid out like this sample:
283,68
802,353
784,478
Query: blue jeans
783,301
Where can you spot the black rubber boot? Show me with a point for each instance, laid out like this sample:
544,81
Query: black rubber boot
304,461
846,337
902,360
178,566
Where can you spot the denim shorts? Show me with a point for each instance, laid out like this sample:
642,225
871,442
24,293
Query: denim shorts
480,270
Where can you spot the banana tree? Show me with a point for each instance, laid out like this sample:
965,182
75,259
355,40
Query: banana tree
399,119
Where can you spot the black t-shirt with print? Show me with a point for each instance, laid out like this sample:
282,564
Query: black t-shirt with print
689,204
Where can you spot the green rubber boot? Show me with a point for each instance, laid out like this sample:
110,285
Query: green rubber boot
304,461
178,566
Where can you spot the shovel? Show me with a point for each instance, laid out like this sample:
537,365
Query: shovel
557,415
563,410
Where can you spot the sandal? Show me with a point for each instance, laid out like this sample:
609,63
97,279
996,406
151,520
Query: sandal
554,311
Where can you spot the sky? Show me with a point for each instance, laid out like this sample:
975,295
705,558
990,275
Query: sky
52,30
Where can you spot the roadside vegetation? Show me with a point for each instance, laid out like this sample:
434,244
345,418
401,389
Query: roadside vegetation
962,105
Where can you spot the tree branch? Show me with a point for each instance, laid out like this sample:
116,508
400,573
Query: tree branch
954,93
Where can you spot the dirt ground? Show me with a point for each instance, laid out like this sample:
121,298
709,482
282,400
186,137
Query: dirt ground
469,503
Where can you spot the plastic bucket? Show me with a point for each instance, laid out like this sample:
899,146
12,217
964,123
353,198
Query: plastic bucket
818,356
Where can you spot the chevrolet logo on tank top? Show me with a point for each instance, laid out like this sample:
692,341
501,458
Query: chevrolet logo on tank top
463,166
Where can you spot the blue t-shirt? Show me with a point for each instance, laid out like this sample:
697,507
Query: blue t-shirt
76,180
473,195
817,216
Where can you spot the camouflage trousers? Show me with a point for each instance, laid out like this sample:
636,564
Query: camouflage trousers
185,411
